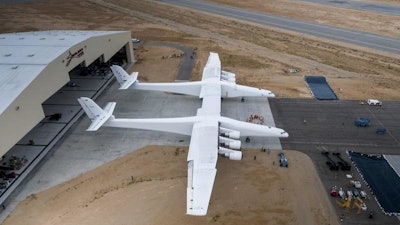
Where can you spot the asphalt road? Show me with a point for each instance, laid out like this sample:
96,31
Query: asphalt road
391,9
363,39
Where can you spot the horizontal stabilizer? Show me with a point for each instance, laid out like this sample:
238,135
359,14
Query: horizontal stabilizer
124,79
97,115
251,129
232,90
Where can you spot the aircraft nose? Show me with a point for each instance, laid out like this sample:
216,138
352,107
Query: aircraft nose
268,94
284,134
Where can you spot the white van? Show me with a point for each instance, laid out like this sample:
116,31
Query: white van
374,102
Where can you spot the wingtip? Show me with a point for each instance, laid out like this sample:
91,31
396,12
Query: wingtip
197,212
91,129
83,98
114,66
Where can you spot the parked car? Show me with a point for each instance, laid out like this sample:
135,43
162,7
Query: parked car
356,193
363,194
357,184
362,122
135,40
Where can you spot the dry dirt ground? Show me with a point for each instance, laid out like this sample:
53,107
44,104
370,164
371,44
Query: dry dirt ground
130,190
161,70
246,192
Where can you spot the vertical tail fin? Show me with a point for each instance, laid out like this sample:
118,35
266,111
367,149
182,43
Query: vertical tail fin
123,77
97,115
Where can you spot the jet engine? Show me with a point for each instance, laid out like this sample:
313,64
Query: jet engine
229,79
230,143
231,154
229,133
227,76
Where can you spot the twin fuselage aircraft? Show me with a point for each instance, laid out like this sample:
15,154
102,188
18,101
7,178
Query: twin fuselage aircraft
211,133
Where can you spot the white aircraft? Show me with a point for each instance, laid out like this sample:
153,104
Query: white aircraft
211,134
227,81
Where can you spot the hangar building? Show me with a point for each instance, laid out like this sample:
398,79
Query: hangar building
35,65
41,75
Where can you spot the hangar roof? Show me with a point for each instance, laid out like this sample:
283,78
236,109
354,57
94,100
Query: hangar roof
24,55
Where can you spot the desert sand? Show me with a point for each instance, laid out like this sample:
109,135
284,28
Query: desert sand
148,186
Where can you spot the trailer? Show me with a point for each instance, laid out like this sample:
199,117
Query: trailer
344,165
331,163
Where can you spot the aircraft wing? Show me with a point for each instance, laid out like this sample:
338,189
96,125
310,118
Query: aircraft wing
203,149
211,95
202,160
229,89
210,90
213,67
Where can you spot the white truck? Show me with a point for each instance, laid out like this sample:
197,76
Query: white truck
374,102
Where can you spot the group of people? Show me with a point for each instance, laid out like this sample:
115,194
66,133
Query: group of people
256,118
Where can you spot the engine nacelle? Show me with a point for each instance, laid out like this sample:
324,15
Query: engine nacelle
234,134
229,77
227,74
235,144
230,80
231,154
229,133
236,155
230,143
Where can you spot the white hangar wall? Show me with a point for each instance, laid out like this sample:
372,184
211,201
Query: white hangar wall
34,65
